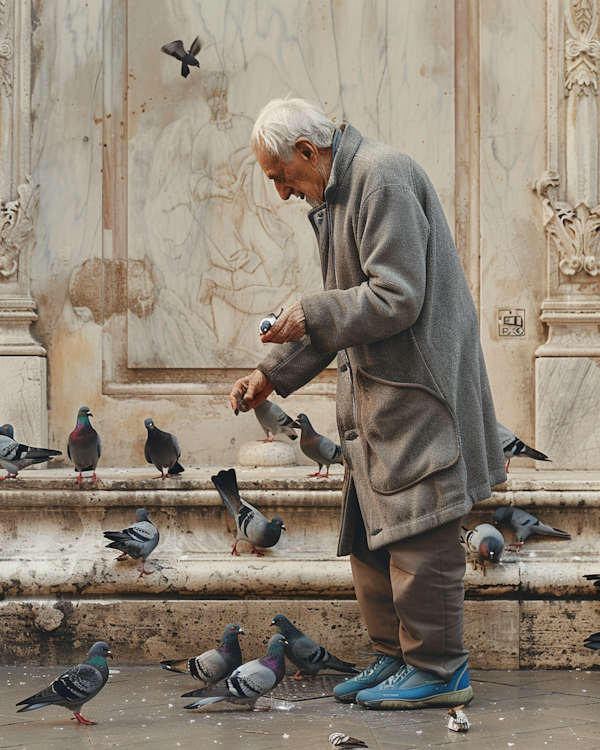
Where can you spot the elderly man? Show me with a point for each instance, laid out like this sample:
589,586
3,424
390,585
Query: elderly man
415,415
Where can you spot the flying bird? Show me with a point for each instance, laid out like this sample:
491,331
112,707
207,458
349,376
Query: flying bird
84,446
524,524
249,682
15,456
135,541
162,449
214,665
251,525
177,50
515,448
484,544
304,653
76,686
317,447
274,421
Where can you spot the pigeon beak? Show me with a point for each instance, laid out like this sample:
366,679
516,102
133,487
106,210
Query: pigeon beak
273,622
109,653
296,424
241,631
283,527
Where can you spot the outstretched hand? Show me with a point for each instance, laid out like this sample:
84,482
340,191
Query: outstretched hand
289,326
250,391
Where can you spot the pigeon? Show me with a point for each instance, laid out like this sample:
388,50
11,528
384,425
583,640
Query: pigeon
513,447
251,525
317,447
458,721
249,682
136,541
76,686
595,577
524,524
274,420
214,665
177,50
593,641
85,446
308,656
15,456
339,739
484,544
162,449
242,404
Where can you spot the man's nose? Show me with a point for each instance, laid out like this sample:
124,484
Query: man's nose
283,190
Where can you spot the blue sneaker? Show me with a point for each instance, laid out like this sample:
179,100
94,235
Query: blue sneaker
383,667
418,688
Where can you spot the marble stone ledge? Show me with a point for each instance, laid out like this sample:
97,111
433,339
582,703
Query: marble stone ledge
49,632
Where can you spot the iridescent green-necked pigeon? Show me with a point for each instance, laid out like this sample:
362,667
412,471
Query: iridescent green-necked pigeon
85,446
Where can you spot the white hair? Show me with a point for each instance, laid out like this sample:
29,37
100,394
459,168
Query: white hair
282,121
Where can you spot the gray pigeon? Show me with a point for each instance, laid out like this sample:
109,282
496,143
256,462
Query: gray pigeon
177,50
339,739
484,544
250,523
136,541
274,421
317,447
85,446
15,456
76,686
524,524
249,682
515,448
308,656
162,449
214,665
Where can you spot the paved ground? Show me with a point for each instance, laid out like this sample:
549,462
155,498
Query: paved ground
141,708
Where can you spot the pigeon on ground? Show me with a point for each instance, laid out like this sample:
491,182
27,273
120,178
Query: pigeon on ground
177,50
162,449
274,420
136,541
15,456
76,686
484,544
593,641
524,524
515,448
339,739
308,656
317,447
85,446
214,665
249,682
251,525
595,577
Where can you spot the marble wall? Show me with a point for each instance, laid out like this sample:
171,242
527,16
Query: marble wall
159,245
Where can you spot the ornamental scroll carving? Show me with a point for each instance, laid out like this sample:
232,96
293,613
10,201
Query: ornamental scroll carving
582,51
6,53
16,224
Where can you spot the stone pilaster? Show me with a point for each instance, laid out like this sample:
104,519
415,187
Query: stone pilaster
567,371
22,359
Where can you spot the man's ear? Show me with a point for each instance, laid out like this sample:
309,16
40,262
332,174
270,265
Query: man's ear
308,149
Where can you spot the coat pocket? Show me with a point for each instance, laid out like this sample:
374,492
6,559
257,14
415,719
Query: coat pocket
409,432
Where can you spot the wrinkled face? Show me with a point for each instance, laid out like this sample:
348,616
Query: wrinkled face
304,176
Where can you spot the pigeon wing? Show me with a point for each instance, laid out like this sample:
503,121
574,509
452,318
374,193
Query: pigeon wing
196,47
175,49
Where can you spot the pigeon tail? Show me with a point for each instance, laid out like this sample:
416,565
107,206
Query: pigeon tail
227,486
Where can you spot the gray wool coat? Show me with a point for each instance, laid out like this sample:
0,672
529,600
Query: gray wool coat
414,410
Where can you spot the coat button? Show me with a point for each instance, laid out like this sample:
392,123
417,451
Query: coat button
351,435
343,368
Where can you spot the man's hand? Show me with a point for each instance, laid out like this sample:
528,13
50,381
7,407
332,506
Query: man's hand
289,326
251,390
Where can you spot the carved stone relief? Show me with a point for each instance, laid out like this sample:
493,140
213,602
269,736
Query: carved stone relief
16,224
6,51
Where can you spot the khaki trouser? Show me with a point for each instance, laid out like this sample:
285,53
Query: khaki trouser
411,597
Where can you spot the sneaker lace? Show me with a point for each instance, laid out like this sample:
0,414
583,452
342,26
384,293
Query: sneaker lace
373,667
399,675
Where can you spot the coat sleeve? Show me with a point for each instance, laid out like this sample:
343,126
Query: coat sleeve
292,365
392,234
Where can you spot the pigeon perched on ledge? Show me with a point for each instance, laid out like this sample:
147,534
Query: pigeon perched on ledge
524,524
214,665
274,421
318,448
515,448
484,544
76,686
85,446
249,682
251,525
135,541
162,449
308,656
15,456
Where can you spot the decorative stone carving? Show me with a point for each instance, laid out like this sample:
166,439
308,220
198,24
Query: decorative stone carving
581,49
574,231
16,224
6,53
